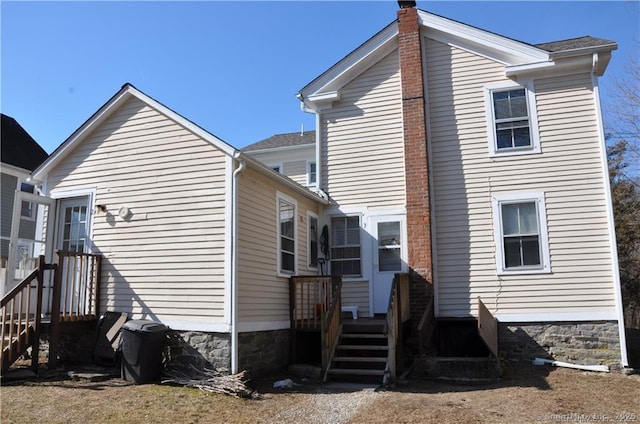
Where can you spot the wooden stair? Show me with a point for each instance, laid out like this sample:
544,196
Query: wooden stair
362,352
15,344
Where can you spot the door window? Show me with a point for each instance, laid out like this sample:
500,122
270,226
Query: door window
74,232
389,246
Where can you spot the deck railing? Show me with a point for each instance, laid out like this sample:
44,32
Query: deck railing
331,329
21,311
398,312
426,328
310,296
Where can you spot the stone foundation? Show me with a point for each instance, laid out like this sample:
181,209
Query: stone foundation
200,349
264,353
585,343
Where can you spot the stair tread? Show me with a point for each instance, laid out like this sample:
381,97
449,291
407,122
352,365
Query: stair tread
364,335
362,347
359,359
347,371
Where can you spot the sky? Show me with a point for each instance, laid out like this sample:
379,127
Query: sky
234,68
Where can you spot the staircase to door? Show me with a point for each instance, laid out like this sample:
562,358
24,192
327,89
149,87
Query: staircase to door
362,353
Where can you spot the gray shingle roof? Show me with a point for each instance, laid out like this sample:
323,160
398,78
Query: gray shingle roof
18,148
578,43
283,140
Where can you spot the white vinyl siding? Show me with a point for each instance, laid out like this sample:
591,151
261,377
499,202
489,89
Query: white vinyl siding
168,260
569,172
263,294
362,146
356,293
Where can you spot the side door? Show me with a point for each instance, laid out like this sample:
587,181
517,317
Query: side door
389,257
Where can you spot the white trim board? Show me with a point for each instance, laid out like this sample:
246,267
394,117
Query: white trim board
247,327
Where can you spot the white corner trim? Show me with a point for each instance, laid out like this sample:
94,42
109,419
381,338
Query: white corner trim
246,327
557,316
611,223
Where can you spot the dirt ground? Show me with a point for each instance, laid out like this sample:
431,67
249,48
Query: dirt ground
526,394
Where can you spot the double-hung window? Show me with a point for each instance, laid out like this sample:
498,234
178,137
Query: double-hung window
345,246
521,233
286,235
511,119
312,176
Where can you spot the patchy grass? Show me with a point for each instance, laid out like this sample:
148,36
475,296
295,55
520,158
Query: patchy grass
526,394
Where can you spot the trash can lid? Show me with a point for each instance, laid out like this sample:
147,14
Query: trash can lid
143,325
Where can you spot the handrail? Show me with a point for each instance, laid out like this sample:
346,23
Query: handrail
20,323
331,326
392,333
426,327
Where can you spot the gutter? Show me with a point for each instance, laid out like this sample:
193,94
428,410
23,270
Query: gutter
234,264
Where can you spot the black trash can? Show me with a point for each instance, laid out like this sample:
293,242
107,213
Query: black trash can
142,346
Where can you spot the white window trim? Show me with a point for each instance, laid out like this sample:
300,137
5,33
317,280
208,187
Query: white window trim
32,217
538,197
289,199
312,215
533,118
309,183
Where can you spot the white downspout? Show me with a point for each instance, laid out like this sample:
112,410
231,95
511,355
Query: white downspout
234,266
306,109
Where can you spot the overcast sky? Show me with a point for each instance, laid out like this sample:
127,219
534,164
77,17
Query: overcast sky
234,68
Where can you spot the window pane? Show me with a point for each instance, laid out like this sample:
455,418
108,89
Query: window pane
504,139
313,241
528,218
389,234
338,229
287,261
530,250
510,219
521,137
519,105
389,259
353,230
287,244
512,257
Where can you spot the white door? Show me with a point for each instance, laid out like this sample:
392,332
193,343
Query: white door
32,215
389,257
73,225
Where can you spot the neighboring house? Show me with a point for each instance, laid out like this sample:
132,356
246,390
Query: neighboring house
193,233
470,160
478,163
21,154
291,154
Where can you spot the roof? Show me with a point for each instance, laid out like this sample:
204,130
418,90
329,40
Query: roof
578,43
283,140
18,147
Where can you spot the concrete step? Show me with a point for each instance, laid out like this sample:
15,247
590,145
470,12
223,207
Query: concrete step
455,369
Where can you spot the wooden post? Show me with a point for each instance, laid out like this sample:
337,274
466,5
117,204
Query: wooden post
35,347
54,336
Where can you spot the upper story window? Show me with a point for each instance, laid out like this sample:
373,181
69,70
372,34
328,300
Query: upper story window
521,234
27,210
286,235
345,246
312,178
511,119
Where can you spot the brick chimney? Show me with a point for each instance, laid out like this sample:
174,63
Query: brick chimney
415,152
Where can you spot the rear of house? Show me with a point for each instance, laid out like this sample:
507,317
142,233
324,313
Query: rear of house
487,154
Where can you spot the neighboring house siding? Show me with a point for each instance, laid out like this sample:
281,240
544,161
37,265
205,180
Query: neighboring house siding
296,170
8,184
263,295
362,146
168,261
464,178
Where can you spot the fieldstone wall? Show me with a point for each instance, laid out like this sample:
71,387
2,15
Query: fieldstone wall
263,353
200,349
585,343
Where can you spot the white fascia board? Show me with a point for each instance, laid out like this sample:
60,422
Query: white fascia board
568,65
500,48
106,110
15,171
283,149
351,65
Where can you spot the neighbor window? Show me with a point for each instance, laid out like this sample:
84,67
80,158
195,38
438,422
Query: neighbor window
311,174
312,220
521,233
27,210
286,235
512,124
345,246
